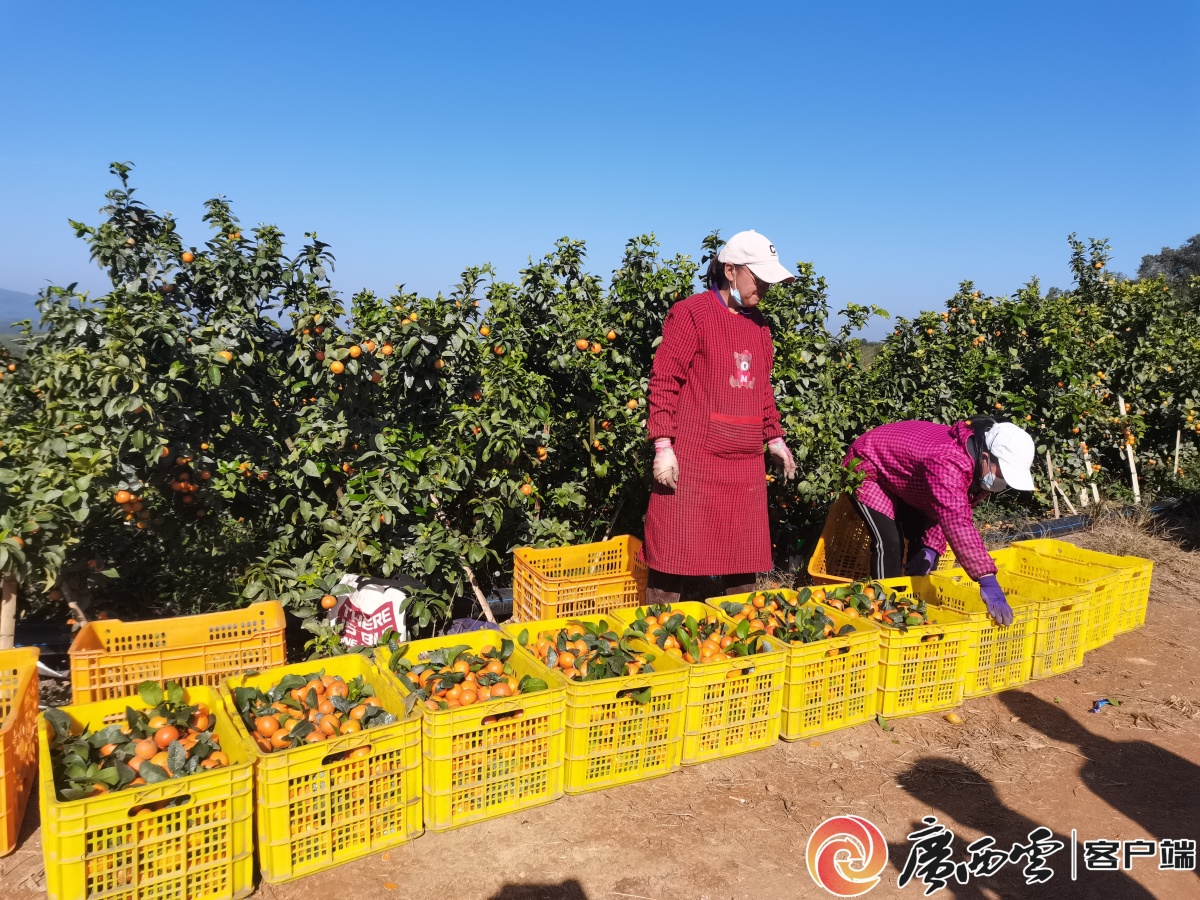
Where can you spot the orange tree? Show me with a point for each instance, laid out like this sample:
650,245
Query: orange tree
1057,364
220,427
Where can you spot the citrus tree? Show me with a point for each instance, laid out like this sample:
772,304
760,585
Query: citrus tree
221,427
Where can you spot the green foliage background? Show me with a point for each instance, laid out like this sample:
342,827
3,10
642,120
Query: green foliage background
402,463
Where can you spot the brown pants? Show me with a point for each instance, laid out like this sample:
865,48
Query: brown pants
663,587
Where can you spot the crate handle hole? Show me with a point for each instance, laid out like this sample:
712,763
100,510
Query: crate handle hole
627,693
503,716
159,805
342,755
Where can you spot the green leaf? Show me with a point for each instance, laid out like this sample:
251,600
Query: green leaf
531,685
152,773
176,756
174,693
882,722
151,693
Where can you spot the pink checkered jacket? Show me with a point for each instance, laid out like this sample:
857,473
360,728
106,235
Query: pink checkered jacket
927,466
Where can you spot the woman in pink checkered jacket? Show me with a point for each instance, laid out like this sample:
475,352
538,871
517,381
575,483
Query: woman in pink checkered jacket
921,480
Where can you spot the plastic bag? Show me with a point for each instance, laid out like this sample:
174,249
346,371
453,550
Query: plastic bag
372,608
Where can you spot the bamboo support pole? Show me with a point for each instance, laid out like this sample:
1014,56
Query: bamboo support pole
1053,493
1137,490
8,614
1178,435
1087,467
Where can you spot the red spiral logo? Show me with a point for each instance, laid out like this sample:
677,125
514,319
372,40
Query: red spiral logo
846,854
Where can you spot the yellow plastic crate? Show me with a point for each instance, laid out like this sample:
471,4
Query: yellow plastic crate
824,693
317,809
999,657
1127,609
18,739
925,669
110,658
728,713
586,579
843,551
110,848
493,758
611,738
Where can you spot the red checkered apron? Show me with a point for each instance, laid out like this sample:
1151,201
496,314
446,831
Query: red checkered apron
710,391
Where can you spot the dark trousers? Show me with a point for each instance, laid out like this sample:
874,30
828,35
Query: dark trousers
663,587
888,536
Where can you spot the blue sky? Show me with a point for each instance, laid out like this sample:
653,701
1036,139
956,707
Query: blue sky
900,147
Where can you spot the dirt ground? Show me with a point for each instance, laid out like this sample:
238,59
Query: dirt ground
738,828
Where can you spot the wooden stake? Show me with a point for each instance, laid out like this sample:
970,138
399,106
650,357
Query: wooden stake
1083,500
487,607
483,604
8,614
1053,494
1178,434
1087,467
1137,490
1070,505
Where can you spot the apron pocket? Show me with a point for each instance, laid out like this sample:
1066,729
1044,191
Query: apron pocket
730,436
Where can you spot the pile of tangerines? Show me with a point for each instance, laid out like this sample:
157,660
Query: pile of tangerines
168,739
589,651
789,618
875,602
703,640
453,677
308,709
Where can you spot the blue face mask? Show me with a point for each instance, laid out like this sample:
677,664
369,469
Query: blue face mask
735,294
993,483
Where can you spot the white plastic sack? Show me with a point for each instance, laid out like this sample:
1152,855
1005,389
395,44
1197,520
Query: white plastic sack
374,606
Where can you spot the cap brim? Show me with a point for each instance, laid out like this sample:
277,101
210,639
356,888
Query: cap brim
1020,478
771,272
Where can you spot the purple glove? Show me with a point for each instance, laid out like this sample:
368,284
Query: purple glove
993,598
923,563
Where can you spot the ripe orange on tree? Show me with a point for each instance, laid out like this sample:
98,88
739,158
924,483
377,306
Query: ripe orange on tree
581,344
337,367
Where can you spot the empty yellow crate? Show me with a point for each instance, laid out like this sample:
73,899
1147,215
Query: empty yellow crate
110,658
492,758
843,551
18,739
823,692
1127,609
925,669
611,737
585,579
316,808
728,713
999,657
110,847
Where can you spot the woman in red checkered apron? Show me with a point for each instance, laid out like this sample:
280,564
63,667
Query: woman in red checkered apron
712,407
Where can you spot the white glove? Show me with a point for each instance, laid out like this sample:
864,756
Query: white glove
783,456
666,466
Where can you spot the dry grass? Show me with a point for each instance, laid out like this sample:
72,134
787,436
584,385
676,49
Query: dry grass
1173,544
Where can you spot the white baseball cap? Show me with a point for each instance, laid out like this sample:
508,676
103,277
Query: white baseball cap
1013,449
755,252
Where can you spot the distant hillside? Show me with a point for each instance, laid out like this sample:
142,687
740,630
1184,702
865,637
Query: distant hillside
15,306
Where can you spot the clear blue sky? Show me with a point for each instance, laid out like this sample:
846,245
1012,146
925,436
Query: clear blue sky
900,147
